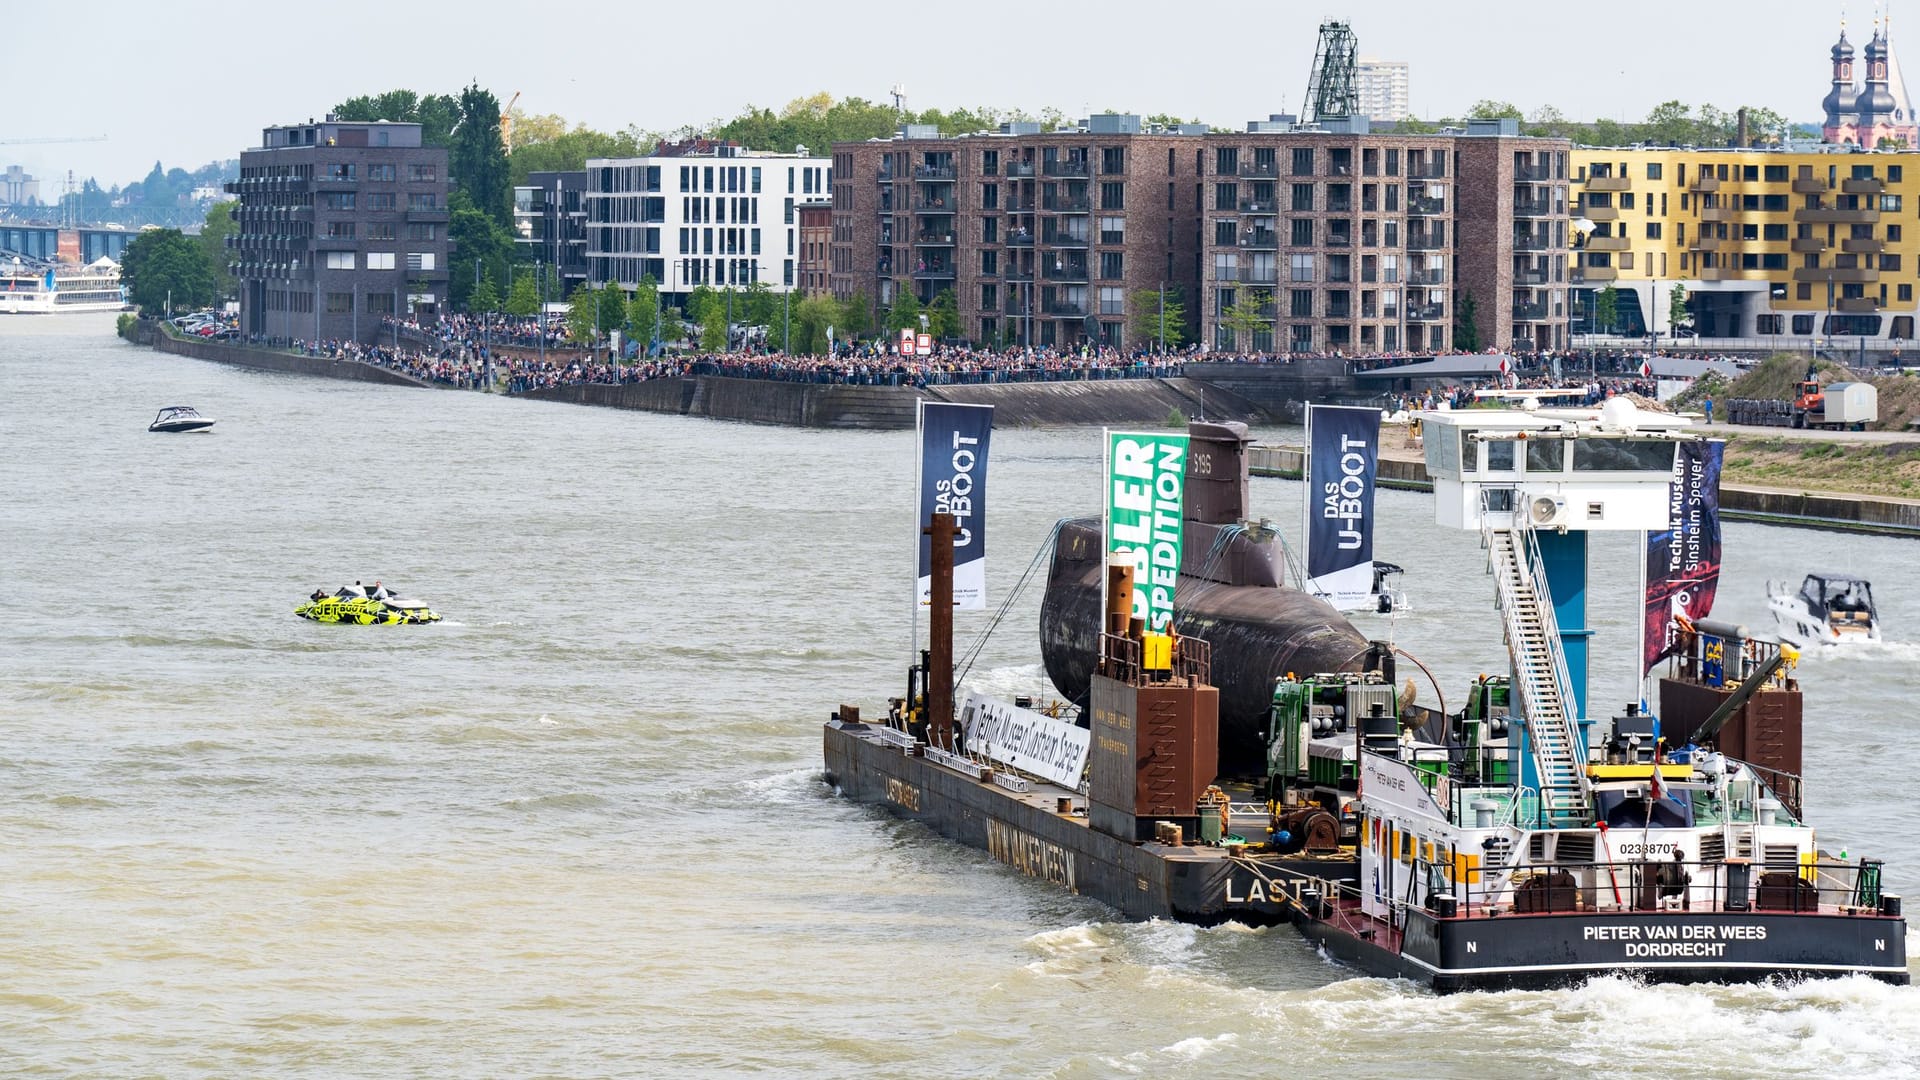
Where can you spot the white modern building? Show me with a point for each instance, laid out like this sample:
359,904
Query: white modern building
699,213
1382,89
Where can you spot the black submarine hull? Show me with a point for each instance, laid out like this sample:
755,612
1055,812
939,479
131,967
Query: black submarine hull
1259,632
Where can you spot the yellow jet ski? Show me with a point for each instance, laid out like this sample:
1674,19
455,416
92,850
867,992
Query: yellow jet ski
350,605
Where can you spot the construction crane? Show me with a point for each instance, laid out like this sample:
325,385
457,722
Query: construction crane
56,139
1330,89
506,123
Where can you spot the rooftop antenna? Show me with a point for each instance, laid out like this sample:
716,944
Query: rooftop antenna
899,92
1330,86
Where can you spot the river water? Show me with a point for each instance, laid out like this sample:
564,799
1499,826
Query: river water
578,828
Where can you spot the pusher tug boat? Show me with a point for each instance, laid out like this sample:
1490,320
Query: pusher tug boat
1518,841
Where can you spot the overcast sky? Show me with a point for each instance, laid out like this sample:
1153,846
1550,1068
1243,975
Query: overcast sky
189,81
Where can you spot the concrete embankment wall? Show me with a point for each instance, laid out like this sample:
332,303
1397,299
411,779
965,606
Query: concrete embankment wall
1281,391
1120,401
220,352
1816,510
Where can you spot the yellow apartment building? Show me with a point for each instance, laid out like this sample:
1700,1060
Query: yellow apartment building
1774,247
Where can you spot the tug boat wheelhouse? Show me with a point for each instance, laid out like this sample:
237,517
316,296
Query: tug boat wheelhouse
1520,841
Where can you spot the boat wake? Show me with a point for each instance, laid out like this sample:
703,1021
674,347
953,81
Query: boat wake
1869,651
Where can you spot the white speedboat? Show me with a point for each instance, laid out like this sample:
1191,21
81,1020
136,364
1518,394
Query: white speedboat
1828,609
180,418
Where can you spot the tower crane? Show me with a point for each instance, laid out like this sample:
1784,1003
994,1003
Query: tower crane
506,123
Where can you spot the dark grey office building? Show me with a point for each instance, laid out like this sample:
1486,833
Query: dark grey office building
550,227
340,224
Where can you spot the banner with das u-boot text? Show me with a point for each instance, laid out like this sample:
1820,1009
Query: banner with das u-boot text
1146,500
953,480
1343,446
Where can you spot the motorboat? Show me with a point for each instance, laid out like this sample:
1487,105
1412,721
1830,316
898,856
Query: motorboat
180,418
381,607
1828,609
1388,598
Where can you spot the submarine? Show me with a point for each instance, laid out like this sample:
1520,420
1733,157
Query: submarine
1232,592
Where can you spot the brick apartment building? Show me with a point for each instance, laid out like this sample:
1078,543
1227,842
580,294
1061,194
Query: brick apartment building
339,224
1338,239
816,236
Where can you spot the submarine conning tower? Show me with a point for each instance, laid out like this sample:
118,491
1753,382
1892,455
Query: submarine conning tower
1155,723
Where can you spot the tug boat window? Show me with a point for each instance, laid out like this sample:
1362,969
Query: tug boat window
1624,455
1500,455
1546,456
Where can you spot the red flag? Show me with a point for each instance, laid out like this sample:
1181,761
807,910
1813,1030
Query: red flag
1646,369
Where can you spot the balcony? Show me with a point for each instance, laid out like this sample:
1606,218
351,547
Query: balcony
1609,183
933,239
1426,171
1532,242
1608,243
1063,240
1067,309
1064,272
1015,273
1253,275
1260,240
1699,243
335,183
1719,213
932,271
1529,312
884,268
1600,213
1584,274
1431,276
1863,245
1019,238
1422,207
1529,277
1828,215
1864,186
1809,185
1070,204
1852,275
1259,170
932,173
1533,208
1537,174
1704,183
1857,304
1807,245
1339,239
1426,243
427,213
1017,206
1258,206
1426,312
933,206
1065,168
885,209
884,176
1717,273
1019,168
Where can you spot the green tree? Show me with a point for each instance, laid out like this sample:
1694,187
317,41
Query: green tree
213,242
1670,122
811,317
583,311
435,113
1606,309
1249,315
1488,109
475,236
643,311
477,160
762,306
163,263
1765,127
569,151
1466,328
1677,304
484,297
611,309
523,299
943,316
713,328
1548,122
1155,321
905,313
856,317
702,299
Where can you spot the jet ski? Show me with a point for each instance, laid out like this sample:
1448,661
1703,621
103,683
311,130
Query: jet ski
351,605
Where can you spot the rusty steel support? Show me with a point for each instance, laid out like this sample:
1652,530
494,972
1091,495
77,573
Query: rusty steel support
940,634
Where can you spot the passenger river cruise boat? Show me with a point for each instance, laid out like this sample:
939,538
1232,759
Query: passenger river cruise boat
45,289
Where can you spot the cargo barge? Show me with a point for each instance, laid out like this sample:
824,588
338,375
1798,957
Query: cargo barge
1516,843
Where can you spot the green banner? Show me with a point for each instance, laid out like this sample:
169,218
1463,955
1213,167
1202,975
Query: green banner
1146,489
